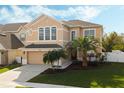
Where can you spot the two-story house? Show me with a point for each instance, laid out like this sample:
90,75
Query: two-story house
46,33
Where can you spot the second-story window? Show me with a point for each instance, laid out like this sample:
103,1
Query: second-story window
89,33
53,33
41,34
47,33
73,35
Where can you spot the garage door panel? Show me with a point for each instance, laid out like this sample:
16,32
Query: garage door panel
35,57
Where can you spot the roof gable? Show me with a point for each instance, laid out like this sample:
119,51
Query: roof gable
10,41
15,42
42,19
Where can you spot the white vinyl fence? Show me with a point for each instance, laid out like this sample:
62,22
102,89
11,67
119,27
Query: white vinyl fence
115,56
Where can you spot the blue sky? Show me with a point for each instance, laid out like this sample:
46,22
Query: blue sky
111,17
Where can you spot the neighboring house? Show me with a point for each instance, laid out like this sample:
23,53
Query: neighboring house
3,55
46,33
9,43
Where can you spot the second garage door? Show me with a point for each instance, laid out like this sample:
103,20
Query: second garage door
35,57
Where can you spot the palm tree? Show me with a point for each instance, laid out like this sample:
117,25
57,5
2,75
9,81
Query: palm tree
49,57
60,54
83,45
71,50
109,41
53,56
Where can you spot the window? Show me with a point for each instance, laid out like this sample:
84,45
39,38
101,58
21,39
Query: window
41,34
22,36
73,35
47,33
53,33
89,33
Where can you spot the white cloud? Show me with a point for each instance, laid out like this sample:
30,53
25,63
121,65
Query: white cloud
23,14
4,14
16,15
90,12
19,15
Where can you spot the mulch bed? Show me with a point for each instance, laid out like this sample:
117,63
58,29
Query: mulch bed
76,65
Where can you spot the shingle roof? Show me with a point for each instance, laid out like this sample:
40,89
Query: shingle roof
43,46
11,26
15,42
10,41
79,23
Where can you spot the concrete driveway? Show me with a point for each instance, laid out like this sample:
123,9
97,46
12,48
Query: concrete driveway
19,76
29,71
23,73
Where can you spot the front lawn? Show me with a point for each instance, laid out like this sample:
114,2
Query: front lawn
105,75
9,67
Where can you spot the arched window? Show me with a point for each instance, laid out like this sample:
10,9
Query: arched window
23,36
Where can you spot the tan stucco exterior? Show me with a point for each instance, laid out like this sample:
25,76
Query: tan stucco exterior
63,35
3,57
13,53
32,31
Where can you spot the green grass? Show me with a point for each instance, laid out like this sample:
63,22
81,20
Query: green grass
22,87
9,67
105,76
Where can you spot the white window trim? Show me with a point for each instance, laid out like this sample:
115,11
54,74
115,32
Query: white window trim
89,29
50,33
23,34
71,34
43,33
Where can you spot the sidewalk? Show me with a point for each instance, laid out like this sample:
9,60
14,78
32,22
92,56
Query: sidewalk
41,85
33,85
